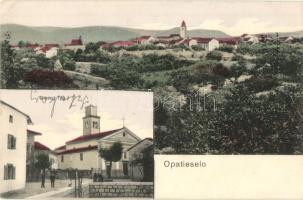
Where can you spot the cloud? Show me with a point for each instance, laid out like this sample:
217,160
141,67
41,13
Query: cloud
154,26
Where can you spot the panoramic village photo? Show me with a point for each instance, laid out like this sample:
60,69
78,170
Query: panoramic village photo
226,75
76,143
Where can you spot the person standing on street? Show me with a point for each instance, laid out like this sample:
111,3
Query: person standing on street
42,178
52,177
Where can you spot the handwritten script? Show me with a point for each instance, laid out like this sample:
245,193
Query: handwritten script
73,100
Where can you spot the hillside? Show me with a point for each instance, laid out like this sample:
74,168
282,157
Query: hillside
286,34
89,34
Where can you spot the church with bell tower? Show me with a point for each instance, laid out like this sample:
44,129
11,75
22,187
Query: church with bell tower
82,152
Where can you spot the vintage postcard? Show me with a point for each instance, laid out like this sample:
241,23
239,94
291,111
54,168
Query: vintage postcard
201,99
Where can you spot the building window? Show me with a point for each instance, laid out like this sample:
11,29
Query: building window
9,172
81,156
11,119
124,155
86,124
95,124
62,158
124,134
11,141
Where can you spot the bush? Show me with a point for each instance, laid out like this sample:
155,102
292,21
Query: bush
47,78
221,70
226,48
214,55
69,65
197,48
44,62
237,57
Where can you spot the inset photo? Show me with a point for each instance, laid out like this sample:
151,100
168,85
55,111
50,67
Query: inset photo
73,143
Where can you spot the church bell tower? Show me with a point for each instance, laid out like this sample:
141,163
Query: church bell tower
183,30
91,120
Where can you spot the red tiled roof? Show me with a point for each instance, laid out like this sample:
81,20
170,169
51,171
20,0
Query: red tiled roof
39,146
32,46
75,42
93,136
123,43
45,49
229,40
202,40
51,45
75,150
33,132
183,24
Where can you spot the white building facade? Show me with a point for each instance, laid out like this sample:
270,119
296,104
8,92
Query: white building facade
13,135
209,44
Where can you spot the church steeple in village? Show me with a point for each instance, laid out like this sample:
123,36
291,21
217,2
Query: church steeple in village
183,30
91,120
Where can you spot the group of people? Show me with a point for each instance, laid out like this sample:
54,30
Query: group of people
52,177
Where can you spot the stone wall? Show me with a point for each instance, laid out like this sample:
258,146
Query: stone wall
121,189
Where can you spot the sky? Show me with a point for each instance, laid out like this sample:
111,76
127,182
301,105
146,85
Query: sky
66,123
231,17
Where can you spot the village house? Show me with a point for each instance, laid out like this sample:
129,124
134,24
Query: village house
13,143
250,39
230,41
49,50
83,152
135,152
118,44
145,40
75,45
209,44
287,39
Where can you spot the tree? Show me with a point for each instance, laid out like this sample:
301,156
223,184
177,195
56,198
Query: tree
69,65
22,44
92,47
214,55
226,48
44,62
11,73
112,154
236,70
42,162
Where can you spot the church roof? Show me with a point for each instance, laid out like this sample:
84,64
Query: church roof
76,150
40,146
60,148
93,136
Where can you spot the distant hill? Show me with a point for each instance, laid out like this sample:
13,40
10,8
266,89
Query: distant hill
286,34
89,34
